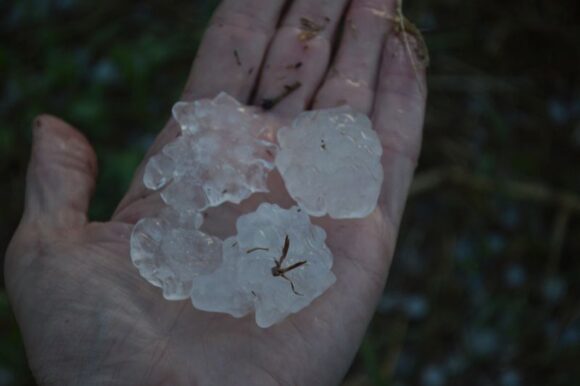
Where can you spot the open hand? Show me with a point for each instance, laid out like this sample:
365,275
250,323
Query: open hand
86,315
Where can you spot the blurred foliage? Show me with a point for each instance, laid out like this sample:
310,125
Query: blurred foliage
484,288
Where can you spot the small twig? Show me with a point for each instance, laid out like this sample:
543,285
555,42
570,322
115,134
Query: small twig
528,191
269,103
557,242
428,180
406,27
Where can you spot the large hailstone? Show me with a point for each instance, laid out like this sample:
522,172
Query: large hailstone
224,153
257,270
170,252
330,162
278,262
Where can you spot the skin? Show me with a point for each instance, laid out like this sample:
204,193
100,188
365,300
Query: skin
88,318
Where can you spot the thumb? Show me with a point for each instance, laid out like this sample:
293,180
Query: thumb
61,175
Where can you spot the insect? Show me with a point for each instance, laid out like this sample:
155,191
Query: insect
278,270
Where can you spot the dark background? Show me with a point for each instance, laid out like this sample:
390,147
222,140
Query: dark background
484,288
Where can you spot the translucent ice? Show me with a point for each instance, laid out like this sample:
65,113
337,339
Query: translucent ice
223,154
278,262
330,162
222,291
257,270
170,252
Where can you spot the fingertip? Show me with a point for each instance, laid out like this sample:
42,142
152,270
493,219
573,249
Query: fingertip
399,113
49,131
406,59
61,173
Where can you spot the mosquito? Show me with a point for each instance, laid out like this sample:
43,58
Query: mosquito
278,270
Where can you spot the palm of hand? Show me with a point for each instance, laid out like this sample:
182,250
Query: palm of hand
88,317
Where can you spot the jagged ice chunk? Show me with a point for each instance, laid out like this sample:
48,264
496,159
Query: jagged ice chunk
223,154
278,261
170,252
246,278
330,162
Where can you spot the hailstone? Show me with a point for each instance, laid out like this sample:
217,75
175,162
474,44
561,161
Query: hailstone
330,161
277,264
278,261
170,251
224,154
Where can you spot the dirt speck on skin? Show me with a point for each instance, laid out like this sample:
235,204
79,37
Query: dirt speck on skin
269,103
237,57
309,29
294,66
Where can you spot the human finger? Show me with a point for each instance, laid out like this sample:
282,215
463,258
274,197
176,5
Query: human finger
228,60
352,76
398,115
61,175
298,56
